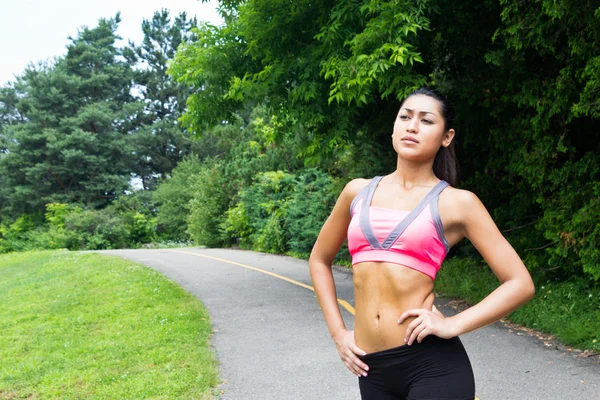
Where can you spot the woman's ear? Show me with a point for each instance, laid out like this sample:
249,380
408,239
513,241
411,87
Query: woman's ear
448,136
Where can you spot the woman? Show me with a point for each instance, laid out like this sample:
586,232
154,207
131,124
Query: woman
399,229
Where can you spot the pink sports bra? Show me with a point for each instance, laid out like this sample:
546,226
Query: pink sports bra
412,238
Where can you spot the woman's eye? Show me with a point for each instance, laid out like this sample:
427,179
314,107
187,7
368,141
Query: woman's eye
404,117
427,121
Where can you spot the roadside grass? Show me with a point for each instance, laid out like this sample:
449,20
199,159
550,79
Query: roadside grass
568,310
86,326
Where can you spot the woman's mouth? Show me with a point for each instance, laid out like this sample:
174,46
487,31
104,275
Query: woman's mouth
409,139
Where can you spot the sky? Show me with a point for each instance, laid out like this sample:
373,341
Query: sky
37,30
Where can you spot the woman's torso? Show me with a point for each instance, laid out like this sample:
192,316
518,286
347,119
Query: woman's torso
382,292
385,290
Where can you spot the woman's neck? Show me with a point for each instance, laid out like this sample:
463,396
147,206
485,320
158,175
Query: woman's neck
409,174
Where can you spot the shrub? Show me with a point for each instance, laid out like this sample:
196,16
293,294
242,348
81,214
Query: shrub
98,230
236,227
271,238
208,207
264,202
311,202
173,197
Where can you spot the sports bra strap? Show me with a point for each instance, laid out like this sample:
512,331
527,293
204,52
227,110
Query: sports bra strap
431,196
364,192
365,224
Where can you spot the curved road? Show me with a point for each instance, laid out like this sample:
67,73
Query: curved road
272,342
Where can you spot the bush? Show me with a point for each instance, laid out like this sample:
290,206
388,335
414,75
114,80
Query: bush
173,199
18,235
271,238
208,207
264,202
311,202
236,227
570,310
98,230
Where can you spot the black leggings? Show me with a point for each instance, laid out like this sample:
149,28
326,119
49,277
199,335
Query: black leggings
435,369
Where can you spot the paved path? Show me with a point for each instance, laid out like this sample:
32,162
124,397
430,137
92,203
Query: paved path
272,342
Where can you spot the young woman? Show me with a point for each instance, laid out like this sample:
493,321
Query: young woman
399,229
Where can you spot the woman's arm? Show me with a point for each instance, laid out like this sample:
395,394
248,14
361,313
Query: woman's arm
330,239
516,285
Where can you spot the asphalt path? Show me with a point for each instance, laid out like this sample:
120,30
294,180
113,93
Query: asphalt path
272,342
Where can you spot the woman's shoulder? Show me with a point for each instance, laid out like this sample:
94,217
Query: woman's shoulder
460,196
355,185
458,200
352,188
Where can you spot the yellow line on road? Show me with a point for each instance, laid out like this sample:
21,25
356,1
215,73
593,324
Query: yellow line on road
343,303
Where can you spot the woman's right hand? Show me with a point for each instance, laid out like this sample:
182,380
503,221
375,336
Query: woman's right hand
349,352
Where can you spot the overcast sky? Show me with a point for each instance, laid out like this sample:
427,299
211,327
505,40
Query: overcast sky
35,30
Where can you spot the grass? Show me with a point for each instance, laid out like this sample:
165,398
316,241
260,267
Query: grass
568,310
85,326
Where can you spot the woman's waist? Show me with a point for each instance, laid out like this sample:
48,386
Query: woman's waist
388,300
376,324
383,316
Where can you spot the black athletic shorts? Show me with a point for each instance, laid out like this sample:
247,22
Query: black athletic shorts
435,369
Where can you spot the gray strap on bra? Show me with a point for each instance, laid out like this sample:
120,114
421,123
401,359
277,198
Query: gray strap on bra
362,194
365,224
432,195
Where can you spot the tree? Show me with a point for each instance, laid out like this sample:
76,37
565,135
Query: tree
160,142
306,62
71,142
524,77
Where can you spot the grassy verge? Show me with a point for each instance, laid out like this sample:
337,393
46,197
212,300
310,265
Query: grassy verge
85,326
568,310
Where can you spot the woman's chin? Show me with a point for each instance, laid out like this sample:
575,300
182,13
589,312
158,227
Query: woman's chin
412,155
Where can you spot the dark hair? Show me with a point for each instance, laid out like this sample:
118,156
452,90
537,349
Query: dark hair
445,165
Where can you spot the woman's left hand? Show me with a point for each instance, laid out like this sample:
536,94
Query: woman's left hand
427,322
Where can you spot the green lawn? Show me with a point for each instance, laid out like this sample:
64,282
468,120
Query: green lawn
85,326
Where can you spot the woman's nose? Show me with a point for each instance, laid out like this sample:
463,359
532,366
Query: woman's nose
413,125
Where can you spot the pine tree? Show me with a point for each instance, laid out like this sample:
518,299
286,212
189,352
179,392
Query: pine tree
160,143
72,143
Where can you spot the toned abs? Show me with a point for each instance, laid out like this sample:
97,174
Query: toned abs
383,291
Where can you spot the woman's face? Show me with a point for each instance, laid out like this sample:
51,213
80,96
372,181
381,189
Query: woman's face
419,129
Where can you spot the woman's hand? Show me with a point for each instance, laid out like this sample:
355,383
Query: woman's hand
349,353
427,322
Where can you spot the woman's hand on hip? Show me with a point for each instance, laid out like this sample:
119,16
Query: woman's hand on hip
349,352
426,322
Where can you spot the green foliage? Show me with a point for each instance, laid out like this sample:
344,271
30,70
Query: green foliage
309,206
159,142
280,64
98,230
548,55
265,205
236,226
205,65
570,310
15,236
271,238
67,134
173,196
373,57
208,207
57,212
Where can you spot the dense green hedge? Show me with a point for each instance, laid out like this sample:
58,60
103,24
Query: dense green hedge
69,226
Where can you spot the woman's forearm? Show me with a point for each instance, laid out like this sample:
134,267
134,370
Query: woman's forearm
324,286
498,304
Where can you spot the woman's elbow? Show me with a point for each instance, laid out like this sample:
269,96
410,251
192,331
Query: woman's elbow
528,289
